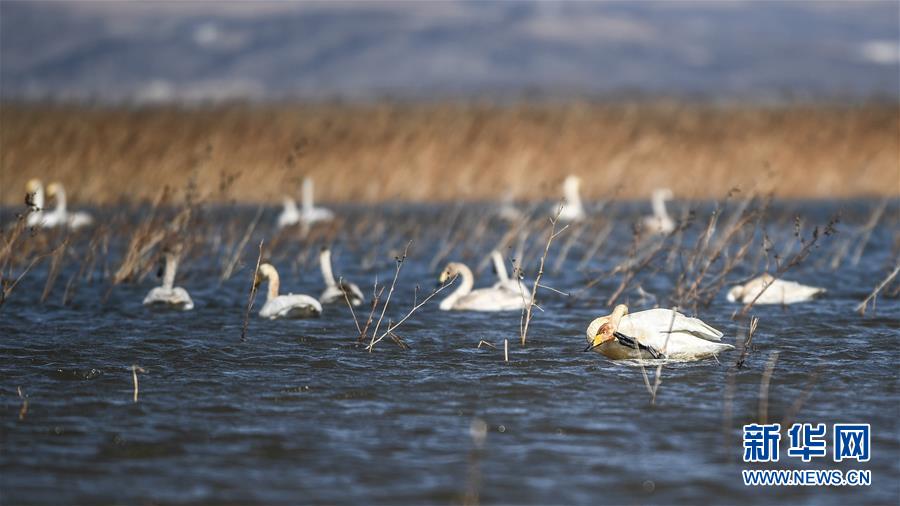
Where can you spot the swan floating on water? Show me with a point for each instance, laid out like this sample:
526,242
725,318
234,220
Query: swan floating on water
290,215
777,291
168,294
73,220
308,213
621,335
508,210
284,306
572,209
660,222
483,299
334,291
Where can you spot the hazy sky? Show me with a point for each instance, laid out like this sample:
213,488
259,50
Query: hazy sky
200,50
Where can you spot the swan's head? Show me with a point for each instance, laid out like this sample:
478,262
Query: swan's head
449,272
53,189
33,186
572,183
266,271
663,194
603,329
173,249
735,294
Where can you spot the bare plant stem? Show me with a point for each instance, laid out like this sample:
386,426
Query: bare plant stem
387,301
537,280
236,254
394,326
862,306
252,295
134,370
347,299
24,409
745,349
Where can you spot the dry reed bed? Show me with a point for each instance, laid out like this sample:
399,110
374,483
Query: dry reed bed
441,152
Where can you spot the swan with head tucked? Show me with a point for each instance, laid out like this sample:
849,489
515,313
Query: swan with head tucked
168,294
774,291
572,209
508,210
309,213
464,298
660,222
334,291
36,200
655,333
73,220
284,306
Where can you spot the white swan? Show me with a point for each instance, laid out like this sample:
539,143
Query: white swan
309,213
284,306
39,216
508,210
334,291
572,209
34,198
168,294
660,222
290,215
73,220
504,282
655,333
774,291
483,299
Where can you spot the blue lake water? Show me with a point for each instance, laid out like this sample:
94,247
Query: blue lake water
297,413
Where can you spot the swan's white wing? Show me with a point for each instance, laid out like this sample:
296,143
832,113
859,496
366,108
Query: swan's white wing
288,217
515,287
177,297
491,299
778,292
334,295
79,219
660,321
183,298
291,306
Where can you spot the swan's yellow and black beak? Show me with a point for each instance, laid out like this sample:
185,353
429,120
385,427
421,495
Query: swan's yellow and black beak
604,334
445,277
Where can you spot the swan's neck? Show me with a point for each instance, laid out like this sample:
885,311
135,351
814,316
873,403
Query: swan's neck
614,320
464,288
572,198
308,191
274,283
60,201
38,199
325,266
499,266
659,207
169,273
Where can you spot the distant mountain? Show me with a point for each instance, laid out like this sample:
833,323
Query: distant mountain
160,51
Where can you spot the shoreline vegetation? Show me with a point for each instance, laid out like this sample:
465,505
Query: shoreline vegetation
439,152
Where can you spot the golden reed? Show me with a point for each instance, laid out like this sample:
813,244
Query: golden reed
439,152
